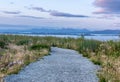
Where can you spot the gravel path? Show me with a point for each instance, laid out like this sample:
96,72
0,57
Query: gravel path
63,65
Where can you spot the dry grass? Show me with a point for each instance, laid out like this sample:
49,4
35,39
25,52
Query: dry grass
22,50
17,57
109,62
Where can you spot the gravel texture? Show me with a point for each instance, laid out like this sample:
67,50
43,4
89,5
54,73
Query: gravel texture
63,65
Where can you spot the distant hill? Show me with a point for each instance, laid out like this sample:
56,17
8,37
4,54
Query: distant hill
52,30
59,31
106,32
47,31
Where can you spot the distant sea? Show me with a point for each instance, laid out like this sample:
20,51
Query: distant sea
101,37
96,37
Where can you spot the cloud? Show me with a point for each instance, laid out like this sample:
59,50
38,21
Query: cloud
11,2
117,24
11,12
107,6
62,14
40,9
34,17
57,13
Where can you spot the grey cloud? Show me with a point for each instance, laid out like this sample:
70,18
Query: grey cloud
117,24
61,14
11,12
11,2
34,17
57,13
39,9
107,6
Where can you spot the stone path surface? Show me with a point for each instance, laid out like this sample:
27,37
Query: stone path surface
63,65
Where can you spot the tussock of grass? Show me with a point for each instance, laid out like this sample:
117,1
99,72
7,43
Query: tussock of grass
2,44
23,42
39,46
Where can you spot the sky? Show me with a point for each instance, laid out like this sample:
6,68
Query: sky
88,14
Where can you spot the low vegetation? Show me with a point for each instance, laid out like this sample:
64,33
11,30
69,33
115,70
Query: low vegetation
18,51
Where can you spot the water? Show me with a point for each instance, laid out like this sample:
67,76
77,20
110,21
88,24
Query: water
103,38
100,37
96,37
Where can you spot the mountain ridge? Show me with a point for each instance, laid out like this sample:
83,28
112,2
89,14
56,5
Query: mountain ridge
53,30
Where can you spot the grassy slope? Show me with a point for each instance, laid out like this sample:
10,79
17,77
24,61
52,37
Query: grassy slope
18,51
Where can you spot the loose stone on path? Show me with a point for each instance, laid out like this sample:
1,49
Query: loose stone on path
63,65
